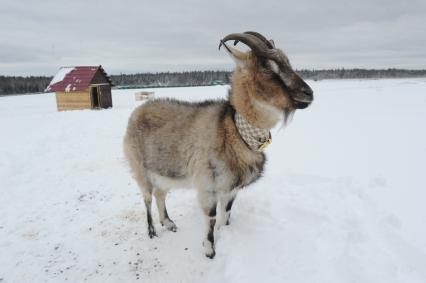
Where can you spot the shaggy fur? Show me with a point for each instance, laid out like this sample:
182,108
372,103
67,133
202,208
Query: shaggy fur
171,143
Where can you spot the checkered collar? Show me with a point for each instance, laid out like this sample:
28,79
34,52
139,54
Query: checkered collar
256,138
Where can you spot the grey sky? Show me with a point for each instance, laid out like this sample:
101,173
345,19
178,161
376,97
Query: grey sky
36,37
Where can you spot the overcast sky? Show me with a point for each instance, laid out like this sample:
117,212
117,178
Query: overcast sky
37,37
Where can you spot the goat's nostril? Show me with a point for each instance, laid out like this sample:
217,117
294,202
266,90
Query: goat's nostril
308,91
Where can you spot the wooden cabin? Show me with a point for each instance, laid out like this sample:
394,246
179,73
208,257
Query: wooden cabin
81,87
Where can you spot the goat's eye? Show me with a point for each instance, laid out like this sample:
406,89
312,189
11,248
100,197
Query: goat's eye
276,78
264,65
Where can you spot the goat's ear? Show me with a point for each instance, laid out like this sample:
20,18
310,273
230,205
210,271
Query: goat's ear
238,56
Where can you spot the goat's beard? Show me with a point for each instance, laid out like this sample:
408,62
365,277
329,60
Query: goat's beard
288,116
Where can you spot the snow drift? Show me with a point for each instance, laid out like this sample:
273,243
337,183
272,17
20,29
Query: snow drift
342,199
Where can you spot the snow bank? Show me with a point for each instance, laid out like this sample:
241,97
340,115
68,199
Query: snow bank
342,199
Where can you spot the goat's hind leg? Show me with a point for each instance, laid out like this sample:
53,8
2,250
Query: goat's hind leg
160,197
226,202
146,189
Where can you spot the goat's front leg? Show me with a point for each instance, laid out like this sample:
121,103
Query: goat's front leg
208,202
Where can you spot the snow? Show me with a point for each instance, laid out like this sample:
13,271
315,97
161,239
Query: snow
342,198
60,75
68,88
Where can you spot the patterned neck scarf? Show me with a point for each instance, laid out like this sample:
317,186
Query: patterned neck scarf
256,138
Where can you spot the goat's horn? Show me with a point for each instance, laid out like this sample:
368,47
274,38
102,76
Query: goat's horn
268,43
224,44
256,44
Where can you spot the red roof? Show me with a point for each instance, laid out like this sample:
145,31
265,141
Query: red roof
74,78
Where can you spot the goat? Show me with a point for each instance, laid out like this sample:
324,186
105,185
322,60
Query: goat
216,145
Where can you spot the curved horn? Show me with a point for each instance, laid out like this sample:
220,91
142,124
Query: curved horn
261,37
257,45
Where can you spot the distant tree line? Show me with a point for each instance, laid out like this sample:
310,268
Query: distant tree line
18,85
35,84
360,74
167,79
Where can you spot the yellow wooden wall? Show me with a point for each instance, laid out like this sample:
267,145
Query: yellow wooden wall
73,100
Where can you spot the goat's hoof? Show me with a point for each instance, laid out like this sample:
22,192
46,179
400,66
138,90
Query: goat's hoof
170,225
151,232
211,255
227,222
209,249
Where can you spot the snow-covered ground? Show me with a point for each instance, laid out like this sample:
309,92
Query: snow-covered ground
342,199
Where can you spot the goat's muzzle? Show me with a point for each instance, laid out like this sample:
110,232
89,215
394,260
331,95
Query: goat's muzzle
302,97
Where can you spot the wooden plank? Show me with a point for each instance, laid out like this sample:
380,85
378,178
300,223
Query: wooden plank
74,104
74,99
72,107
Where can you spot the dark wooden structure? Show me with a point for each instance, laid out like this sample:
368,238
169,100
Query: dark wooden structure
81,87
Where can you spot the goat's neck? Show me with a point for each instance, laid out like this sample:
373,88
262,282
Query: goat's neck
256,112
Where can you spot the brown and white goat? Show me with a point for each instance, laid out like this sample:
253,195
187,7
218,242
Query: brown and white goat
207,145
